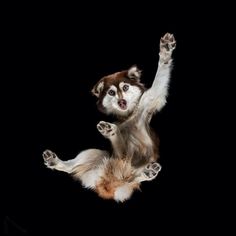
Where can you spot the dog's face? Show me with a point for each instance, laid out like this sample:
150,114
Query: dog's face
120,92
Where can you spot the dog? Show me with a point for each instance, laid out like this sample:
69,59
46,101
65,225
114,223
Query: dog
134,144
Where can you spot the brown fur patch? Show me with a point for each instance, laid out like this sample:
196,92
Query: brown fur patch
106,188
117,172
118,77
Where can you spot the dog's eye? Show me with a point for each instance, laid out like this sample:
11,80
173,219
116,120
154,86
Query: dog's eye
125,87
111,92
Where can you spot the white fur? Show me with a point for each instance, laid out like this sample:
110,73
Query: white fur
90,178
131,96
155,98
86,156
123,193
134,72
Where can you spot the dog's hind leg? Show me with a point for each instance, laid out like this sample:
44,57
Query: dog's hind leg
88,156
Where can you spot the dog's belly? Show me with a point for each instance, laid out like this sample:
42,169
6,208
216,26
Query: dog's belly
139,144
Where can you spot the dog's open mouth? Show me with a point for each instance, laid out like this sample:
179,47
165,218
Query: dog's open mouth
122,104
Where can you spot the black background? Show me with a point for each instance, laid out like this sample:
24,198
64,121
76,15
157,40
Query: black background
54,57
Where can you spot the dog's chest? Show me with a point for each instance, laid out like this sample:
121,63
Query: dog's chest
137,138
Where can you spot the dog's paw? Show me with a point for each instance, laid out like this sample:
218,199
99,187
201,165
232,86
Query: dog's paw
151,171
106,129
167,45
50,159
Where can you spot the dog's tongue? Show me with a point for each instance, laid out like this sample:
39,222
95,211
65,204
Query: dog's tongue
122,104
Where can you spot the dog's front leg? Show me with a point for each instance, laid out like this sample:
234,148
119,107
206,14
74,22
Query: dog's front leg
112,132
155,98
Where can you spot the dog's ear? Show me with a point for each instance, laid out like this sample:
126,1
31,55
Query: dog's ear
134,73
97,89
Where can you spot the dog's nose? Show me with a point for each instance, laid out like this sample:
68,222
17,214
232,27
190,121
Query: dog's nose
122,102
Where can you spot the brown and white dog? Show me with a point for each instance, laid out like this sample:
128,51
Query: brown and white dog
134,144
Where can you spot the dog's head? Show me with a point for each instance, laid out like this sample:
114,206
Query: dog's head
120,92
